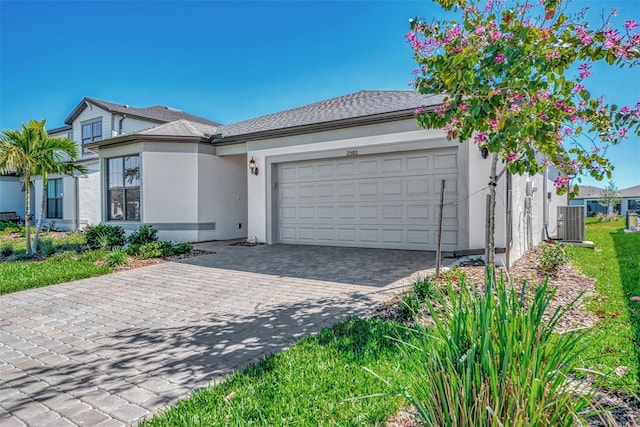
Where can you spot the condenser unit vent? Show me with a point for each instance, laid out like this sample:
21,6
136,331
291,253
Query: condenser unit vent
571,223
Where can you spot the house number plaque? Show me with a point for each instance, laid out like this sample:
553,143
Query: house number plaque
352,153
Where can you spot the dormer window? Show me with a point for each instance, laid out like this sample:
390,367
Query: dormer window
91,132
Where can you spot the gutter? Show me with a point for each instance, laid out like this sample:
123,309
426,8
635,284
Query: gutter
319,127
134,138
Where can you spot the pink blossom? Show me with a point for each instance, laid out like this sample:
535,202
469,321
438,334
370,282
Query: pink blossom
623,133
553,55
543,116
494,123
614,12
500,58
495,35
417,110
480,138
463,107
625,110
511,157
561,181
480,30
577,88
595,168
567,131
595,149
582,34
630,24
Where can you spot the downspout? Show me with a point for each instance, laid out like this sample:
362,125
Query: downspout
124,116
77,213
509,223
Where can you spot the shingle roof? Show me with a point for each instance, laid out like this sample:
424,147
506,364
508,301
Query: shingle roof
181,128
358,104
590,192
631,191
158,113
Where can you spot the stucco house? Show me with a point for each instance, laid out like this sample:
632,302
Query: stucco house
352,171
589,197
74,202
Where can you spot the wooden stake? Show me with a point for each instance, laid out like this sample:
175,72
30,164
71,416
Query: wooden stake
439,244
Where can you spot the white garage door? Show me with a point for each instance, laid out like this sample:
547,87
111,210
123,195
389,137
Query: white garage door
378,201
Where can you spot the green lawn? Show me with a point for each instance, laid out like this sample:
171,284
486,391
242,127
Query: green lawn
20,275
615,263
307,385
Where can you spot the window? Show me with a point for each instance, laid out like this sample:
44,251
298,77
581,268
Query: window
54,198
70,135
634,205
123,188
91,132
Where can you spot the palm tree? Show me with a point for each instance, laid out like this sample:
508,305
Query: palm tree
57,155
18,153
31,152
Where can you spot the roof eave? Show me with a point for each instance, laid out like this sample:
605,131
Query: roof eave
134,138
320,127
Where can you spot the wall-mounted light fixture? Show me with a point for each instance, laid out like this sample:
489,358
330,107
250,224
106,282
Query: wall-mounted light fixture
253,167
484,152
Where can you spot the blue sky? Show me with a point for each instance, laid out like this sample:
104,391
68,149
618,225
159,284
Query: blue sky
229,61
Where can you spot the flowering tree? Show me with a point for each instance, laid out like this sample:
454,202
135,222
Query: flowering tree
506,70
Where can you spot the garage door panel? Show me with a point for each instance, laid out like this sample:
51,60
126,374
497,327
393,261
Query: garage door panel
385,201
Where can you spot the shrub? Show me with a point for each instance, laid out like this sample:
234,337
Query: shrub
606,217
104,236
145,234
94,255
155,250
425,288
47,247
11,227
455,274
409,306
552,258
182,248
6,250
64,256
117,257
492,360
133,249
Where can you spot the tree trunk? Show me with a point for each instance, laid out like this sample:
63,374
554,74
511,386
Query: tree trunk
27,211
491,238
43,201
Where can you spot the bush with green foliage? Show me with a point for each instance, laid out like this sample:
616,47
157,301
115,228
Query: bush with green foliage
492,360
552,258
145,234
425,288
104,236
6,250
47,247
155,250
182,248
117,257
409,306
94,255
606,217
64,257
7,227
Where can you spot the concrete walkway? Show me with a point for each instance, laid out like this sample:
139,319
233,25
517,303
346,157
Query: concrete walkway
112,350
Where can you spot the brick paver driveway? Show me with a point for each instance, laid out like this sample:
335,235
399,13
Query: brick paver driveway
112,350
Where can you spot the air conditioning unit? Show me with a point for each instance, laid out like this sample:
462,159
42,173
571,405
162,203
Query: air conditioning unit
571,223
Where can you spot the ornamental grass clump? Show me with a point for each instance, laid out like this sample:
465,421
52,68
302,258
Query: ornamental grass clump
491,359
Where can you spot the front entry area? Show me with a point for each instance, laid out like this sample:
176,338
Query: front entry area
387,201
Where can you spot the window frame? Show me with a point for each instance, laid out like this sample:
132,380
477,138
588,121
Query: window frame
92,136
123,190
58,200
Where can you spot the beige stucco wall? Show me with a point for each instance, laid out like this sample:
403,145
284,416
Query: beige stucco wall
372,139
11,195
187,193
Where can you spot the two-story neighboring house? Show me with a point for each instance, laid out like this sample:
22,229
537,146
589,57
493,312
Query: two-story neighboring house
74,202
